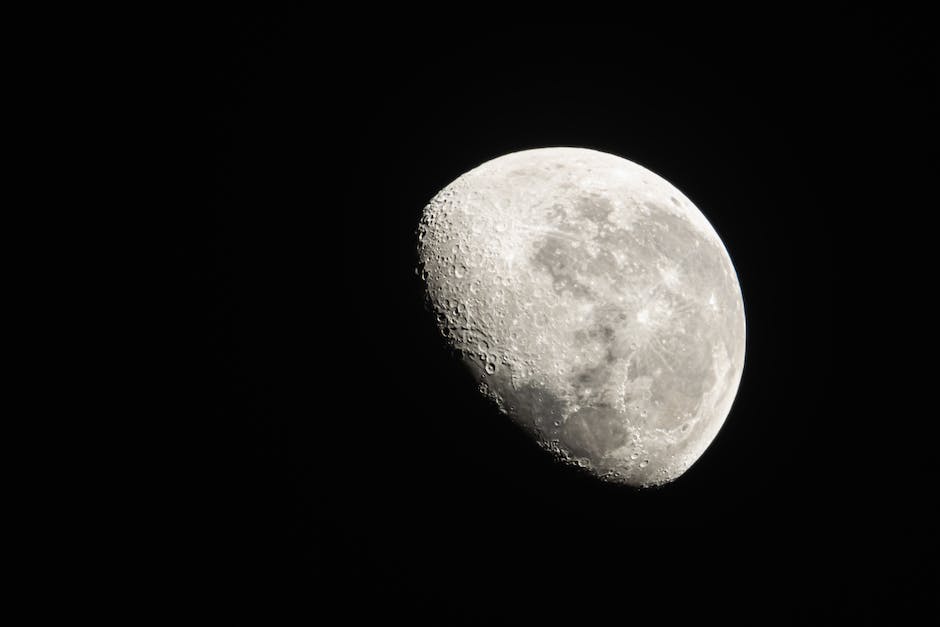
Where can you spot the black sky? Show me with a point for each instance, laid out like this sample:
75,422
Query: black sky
352,458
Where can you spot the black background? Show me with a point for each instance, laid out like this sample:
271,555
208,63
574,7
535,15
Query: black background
350,460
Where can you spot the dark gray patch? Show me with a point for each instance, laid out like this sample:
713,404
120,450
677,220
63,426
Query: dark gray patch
596,333
533,405
595,208
561,261
594,431
594,378
604,264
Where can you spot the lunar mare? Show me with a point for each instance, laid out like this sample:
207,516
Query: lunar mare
594,303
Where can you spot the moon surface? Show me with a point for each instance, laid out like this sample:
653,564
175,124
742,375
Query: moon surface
595,305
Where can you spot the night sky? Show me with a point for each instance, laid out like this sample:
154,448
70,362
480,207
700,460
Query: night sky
353,465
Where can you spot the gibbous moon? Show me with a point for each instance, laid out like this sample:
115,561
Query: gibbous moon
595,305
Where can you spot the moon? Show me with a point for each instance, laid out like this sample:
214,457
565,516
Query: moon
594,304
